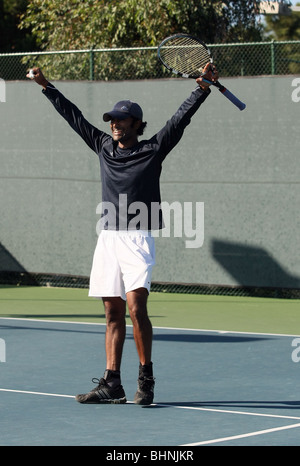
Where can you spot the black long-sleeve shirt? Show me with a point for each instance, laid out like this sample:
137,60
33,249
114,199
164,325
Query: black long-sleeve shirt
129,175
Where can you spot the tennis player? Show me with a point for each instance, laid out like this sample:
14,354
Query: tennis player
125,253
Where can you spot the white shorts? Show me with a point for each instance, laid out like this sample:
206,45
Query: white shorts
122,262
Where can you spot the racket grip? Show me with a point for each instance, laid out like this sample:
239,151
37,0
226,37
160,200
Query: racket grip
233,98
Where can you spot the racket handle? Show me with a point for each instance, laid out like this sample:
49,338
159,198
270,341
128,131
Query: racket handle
227,94
233,98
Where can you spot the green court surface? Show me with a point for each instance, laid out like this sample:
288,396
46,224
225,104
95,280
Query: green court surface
225,368
228,313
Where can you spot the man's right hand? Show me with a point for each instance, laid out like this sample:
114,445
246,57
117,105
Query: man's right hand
39,78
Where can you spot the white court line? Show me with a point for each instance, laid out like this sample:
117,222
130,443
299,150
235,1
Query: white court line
155,327
224,411
193,408
35,393
41,393
205,442
235,437
228,411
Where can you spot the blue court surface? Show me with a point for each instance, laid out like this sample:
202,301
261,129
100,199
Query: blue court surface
212,388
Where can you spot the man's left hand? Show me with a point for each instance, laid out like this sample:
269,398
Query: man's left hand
210,72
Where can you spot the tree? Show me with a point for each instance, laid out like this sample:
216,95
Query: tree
83,24
284,27
106,23
12,39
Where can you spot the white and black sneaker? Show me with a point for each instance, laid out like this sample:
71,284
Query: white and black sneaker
103,393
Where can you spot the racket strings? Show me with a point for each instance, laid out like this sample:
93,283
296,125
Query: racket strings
185,55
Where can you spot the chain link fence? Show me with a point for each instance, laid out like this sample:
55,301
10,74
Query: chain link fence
74,281
247,59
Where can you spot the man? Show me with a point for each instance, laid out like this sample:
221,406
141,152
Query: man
124,255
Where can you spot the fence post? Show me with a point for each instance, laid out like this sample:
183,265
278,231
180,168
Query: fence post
272,57
92,77
242,67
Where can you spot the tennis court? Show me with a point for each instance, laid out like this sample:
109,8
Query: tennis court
226,368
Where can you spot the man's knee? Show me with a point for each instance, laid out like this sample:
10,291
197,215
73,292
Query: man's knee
137,304
115,309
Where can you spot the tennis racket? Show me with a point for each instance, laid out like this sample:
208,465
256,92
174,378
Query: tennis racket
187,56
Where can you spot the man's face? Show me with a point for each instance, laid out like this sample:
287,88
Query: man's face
124,131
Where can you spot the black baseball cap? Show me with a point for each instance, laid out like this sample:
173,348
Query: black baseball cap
124,109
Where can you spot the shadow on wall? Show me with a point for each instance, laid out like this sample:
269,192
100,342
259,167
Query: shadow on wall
252,266
11,268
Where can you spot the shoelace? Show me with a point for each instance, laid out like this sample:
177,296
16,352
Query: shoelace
99,382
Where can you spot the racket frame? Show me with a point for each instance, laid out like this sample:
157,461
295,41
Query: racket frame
184,75
217,84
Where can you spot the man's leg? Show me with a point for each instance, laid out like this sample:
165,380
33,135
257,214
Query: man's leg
109,388
115,310
142,332
142,327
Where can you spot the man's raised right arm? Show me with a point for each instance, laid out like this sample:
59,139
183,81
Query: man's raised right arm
92,136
